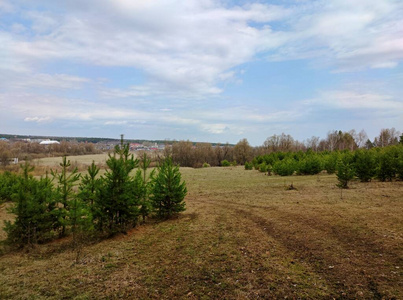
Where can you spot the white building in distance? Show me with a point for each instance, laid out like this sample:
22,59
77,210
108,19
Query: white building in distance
48,142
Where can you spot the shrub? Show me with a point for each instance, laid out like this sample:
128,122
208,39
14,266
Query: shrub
225,163
206,165
248,166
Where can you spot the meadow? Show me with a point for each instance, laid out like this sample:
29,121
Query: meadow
75,159
244,235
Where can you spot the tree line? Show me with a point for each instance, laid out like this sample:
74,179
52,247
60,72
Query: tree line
63,203
196,155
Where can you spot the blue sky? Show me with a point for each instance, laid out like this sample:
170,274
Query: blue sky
215,71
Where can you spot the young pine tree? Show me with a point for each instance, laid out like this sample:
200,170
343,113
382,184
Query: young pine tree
330,162
167,191
80,220
140,194
89,185
345,172
142,186
65,193
388,163
116,209
364,165
33,208
8,186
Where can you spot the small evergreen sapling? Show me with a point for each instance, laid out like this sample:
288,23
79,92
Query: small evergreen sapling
80,219
345,172
142,185
364,165
65,193
140,195
248,166
168,192
89,185
310,165
8,186
388,164
81,209
33,208
285,167
116,208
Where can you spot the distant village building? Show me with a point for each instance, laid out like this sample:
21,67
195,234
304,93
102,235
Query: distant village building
136,146
48,142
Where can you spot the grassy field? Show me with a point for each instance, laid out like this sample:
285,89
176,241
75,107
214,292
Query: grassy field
78,159
243,236
81,162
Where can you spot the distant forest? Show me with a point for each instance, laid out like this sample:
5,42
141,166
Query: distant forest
186,154
191,154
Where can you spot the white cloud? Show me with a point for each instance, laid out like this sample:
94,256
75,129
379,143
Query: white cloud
346,35
195,44
353,100
191,46
215,128
115,122
232,120
37,119
51,81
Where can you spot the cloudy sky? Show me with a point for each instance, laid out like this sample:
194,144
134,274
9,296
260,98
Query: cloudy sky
204,70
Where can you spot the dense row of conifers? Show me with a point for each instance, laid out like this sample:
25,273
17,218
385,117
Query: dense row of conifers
381,163
53,206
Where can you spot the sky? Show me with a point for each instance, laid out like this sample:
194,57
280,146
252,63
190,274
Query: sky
203,70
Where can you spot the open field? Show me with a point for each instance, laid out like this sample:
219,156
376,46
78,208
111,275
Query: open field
78,159
242,236
81,162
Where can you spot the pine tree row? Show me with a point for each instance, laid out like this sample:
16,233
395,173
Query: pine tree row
65,202
385,164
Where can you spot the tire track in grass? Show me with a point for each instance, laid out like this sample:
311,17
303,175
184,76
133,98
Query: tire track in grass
265,263
354,264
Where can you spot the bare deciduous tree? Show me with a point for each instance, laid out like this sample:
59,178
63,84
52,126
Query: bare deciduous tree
242,151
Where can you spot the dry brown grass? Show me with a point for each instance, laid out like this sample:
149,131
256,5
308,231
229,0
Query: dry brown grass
243,236
81,162
79,159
